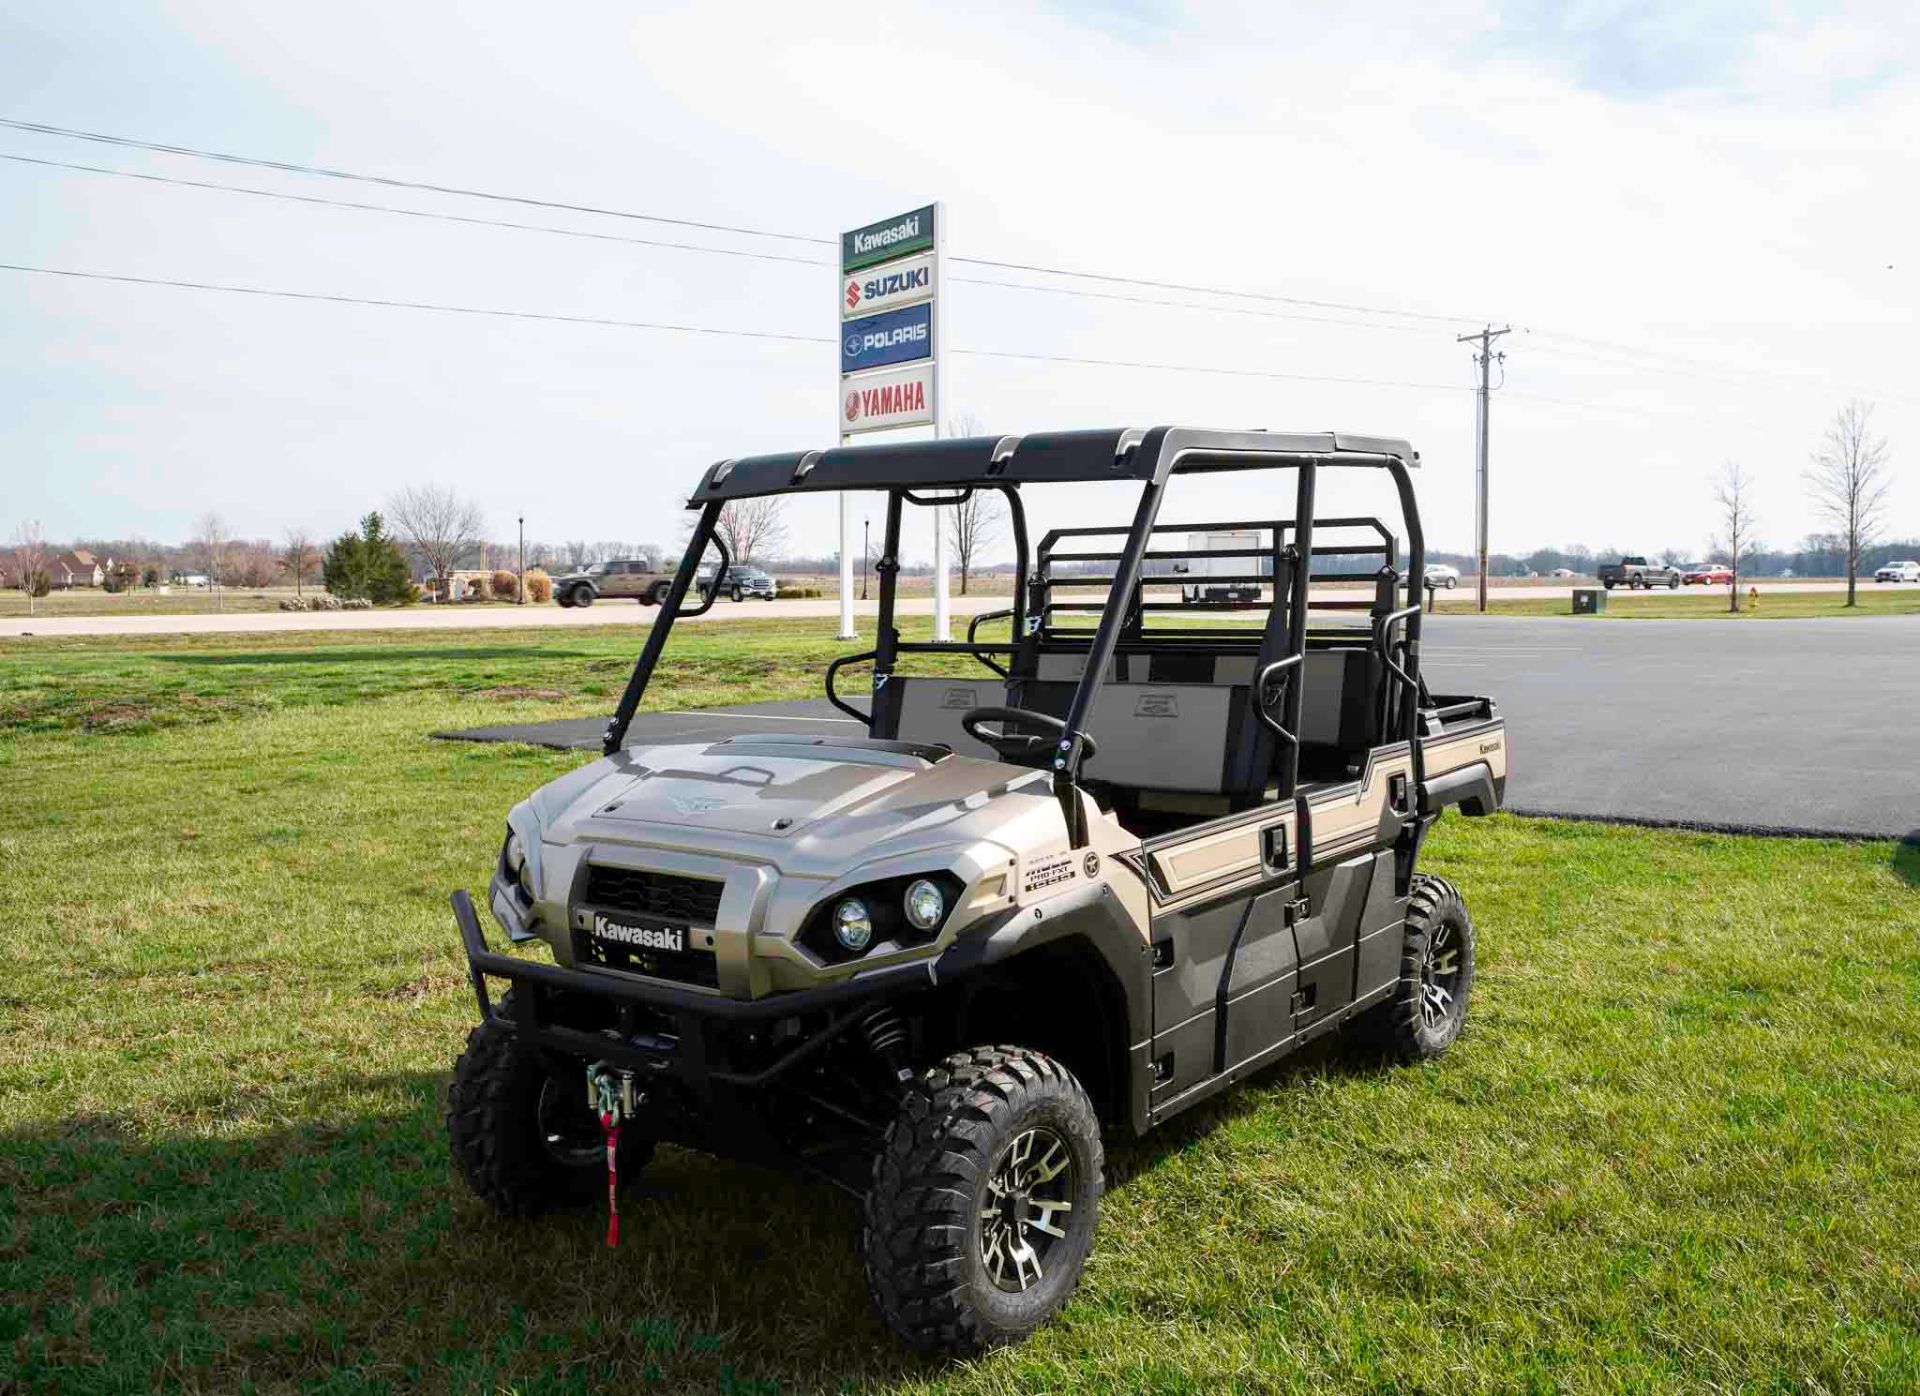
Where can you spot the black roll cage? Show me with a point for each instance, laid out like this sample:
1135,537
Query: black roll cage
956,468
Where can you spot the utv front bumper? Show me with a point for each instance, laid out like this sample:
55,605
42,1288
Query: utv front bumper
661,1029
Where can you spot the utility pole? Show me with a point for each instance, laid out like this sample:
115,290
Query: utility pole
1485,358
866,553
521,586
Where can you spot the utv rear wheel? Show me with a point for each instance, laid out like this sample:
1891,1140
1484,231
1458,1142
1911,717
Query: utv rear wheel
522,1135
1429,1005
985,1196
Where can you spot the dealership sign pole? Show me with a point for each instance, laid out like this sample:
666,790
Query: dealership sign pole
891,364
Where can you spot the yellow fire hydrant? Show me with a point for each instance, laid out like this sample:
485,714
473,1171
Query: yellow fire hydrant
1753,598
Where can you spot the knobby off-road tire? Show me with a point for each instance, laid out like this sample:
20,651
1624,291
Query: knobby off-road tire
968,1127
582,596
1428,1005
523,1139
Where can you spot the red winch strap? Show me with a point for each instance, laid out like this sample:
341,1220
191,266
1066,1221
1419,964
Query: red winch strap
612,1131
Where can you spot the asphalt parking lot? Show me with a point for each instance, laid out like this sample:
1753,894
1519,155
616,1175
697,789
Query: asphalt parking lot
1757,726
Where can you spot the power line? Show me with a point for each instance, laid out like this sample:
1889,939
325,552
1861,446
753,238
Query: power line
1204,368
616,323
411,214
1220,291
1648,361
1184,305
472,220
289,167
415,305
434,214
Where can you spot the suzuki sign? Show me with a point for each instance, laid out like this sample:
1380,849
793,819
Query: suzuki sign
888,287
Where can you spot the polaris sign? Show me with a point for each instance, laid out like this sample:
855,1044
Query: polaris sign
890,238
887,287
891,337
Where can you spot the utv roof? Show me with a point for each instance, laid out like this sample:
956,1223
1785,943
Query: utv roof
1110,453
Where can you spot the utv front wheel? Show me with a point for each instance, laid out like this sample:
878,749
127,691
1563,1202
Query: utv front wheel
1428,1006
985,1196
523,1135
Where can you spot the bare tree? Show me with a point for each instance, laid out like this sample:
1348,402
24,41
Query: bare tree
1849,480
209,546
32,561
440,526
1734,494
752,529
577,554
972,525
298,556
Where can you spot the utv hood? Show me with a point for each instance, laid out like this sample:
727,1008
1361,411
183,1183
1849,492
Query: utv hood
784,787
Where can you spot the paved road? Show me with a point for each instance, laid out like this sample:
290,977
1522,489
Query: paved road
1793,726
615,613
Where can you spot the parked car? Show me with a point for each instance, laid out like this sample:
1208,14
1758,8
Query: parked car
1706,574
741,583
1438,574
1565,574
1906,571
1637,574
634,578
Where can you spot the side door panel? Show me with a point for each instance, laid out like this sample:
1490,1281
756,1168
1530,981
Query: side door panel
1325,941
1258,995
1190,956
1383,933
1221,946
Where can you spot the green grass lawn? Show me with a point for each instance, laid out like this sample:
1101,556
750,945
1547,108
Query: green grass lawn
1695,603
1678,1148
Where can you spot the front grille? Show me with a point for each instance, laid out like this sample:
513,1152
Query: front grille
693,901
681,966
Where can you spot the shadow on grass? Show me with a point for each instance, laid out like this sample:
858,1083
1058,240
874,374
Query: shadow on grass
1906,859
347,1249
1332,1055
370,654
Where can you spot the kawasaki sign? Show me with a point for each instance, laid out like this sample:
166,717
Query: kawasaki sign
887,239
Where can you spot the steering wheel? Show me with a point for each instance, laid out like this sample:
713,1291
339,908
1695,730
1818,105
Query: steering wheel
1012,745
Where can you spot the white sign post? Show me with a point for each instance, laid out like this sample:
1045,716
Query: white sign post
892,359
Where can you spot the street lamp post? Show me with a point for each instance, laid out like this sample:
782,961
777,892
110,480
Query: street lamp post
521,581
866,551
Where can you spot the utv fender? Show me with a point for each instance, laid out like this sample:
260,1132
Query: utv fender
1471,787
1081,951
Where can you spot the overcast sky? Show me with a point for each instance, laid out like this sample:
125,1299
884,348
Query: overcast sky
1699,219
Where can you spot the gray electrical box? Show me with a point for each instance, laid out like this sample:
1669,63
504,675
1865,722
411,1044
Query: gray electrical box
1589,601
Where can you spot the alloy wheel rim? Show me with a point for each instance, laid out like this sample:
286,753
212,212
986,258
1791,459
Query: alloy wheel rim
1028,1198
1440,977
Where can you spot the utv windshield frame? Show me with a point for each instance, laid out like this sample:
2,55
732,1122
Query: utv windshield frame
954,469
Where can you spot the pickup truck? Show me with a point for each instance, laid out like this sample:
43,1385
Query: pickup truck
1637,574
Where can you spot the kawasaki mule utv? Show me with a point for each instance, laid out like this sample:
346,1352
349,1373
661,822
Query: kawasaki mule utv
1131,855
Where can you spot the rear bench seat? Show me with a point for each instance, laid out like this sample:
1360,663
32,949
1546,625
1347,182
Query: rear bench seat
1167,721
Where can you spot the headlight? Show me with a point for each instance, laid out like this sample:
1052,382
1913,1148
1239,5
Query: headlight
925,904
852,924
518,868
